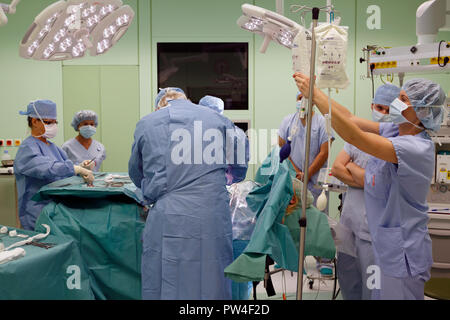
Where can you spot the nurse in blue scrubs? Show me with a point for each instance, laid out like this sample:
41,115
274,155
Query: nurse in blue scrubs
83,149
397,181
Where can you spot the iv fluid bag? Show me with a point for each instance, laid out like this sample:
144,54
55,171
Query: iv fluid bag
332,43
301,57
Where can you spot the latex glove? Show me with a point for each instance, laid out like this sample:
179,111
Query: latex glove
85,174
88,164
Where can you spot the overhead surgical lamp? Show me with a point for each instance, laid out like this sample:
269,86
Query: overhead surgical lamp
271,25
7,9
68,29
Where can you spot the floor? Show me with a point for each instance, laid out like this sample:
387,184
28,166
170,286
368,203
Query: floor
322,290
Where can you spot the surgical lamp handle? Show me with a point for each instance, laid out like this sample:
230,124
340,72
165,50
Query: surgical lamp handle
266,43
12,6
315,15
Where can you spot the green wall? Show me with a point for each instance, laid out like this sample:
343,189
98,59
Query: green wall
122,84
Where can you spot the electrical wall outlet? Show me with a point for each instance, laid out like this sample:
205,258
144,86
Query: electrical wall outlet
2,143
9,143
17,142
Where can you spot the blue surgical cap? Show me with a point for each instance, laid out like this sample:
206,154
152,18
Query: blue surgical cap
84,115
163,92
386,94
428,99
214,103
46,109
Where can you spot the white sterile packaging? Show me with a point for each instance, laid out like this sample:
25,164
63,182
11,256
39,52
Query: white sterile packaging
332,44
6,256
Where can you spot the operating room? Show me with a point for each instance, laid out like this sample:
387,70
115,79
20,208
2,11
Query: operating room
118,179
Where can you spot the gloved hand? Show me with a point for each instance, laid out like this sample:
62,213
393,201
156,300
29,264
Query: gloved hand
88,164
85,174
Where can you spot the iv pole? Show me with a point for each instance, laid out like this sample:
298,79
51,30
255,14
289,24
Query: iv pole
303,221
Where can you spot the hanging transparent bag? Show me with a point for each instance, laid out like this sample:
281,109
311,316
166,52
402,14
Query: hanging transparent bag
332,43
243,219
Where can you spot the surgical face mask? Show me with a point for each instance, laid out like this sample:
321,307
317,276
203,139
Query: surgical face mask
51,131
395,113
380,117
88,131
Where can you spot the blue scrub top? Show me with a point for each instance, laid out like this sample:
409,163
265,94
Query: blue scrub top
319,136
77,153
353,210
396,204
36,165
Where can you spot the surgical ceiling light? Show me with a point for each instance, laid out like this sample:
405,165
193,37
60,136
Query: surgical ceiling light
68,29
271,25
7,9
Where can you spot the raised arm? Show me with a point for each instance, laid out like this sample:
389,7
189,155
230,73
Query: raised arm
368,142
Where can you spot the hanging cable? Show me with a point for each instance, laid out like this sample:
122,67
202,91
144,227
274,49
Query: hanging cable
372,67
446,59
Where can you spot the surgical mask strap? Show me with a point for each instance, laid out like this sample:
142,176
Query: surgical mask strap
35,110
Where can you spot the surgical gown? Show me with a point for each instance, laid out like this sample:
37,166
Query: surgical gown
236,174
352,270
36,165
319,136
396,206
187,240
78,153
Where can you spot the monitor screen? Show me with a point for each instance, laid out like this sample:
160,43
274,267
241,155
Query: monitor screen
200,69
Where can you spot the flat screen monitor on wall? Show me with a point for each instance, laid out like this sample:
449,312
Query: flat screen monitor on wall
200,69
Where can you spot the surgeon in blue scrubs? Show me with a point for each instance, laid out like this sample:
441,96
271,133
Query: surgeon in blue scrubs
357,254
40,162
179,158
396,182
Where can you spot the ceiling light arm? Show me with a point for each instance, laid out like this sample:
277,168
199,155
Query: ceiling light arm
7,9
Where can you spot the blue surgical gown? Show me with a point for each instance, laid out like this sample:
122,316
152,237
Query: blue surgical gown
187,240
236,174
77,153
319,136
36,165
396,206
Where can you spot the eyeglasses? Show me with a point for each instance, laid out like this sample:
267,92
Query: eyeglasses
50,122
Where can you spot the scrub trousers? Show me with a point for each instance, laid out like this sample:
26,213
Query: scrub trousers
352,271
410,288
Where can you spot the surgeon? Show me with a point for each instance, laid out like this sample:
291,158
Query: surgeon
353,263
179,159
40,162
294,127
83,149
217,105
396,182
